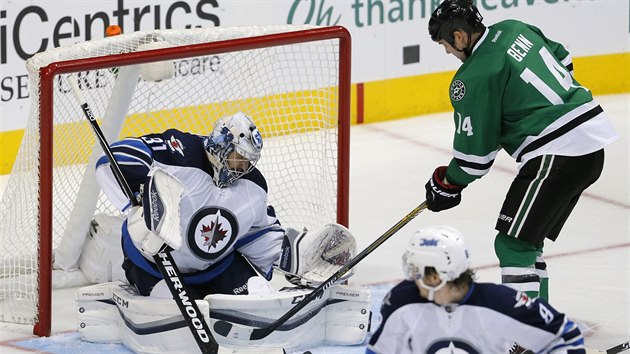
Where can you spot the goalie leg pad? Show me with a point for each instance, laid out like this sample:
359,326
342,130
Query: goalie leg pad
144,324
102,257
97,313
339,317
348,316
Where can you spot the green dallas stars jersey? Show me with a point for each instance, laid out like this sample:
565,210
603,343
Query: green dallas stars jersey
516,92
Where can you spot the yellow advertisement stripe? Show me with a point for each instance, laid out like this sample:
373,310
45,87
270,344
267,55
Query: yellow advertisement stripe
604,74
9,145
406,97
275,115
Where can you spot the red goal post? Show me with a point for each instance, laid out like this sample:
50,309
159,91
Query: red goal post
293,81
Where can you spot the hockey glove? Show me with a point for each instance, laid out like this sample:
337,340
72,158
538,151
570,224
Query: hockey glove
309,258
147,241
441,196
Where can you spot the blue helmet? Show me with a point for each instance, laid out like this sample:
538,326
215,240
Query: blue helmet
238,134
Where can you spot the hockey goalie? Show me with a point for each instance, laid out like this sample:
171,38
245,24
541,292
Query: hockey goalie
211,203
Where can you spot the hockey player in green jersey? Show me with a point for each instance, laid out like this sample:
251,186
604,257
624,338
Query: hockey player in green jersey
515,91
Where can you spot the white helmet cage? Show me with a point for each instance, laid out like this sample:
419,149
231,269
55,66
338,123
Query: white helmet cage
440,247
233,133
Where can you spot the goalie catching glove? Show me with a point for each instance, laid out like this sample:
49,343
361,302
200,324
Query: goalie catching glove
309,258
155,225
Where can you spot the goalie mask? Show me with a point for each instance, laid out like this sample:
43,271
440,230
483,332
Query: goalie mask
233,148
439,247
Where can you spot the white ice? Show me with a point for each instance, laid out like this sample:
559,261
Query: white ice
390,162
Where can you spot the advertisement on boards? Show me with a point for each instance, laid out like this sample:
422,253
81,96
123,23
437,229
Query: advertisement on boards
390,39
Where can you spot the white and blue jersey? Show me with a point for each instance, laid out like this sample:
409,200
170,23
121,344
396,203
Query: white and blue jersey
214,222
489,319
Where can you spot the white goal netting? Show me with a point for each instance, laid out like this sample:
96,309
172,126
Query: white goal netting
290,90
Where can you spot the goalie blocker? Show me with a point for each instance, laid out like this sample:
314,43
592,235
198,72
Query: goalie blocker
115,313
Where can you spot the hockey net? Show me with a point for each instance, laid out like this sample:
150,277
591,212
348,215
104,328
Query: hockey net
293,81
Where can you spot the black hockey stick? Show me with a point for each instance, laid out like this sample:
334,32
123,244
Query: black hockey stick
235,331
619,348
163,259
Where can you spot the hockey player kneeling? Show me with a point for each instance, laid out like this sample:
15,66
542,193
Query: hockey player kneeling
211,203
115,312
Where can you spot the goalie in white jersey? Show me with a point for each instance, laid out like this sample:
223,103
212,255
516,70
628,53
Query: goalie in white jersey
211,201
440,308
228,232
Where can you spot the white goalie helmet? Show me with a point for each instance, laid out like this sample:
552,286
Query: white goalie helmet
236,133
440,247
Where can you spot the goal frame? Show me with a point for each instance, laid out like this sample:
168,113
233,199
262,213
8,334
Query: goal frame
47,75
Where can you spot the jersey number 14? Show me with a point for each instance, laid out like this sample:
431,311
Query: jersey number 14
558,71
464,125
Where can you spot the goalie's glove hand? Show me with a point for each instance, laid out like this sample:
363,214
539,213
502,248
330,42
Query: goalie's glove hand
309,258
145,240
442,196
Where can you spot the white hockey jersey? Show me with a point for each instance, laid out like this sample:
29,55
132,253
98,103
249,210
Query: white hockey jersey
489,319
214,222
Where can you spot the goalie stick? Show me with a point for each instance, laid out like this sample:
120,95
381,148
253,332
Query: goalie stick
619,348
232,330
163,259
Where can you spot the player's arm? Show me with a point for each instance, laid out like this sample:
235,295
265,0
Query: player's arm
135,159
537,325
477,115
565,335
477,119
262,242
261,245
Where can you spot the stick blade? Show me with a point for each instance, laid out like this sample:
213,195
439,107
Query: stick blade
260,333
222,328
233,331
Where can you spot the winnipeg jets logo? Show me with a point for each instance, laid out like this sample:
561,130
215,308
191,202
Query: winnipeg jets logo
175,145
257,139
211,232
458,90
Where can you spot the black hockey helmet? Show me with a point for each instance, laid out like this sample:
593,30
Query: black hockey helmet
453,15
